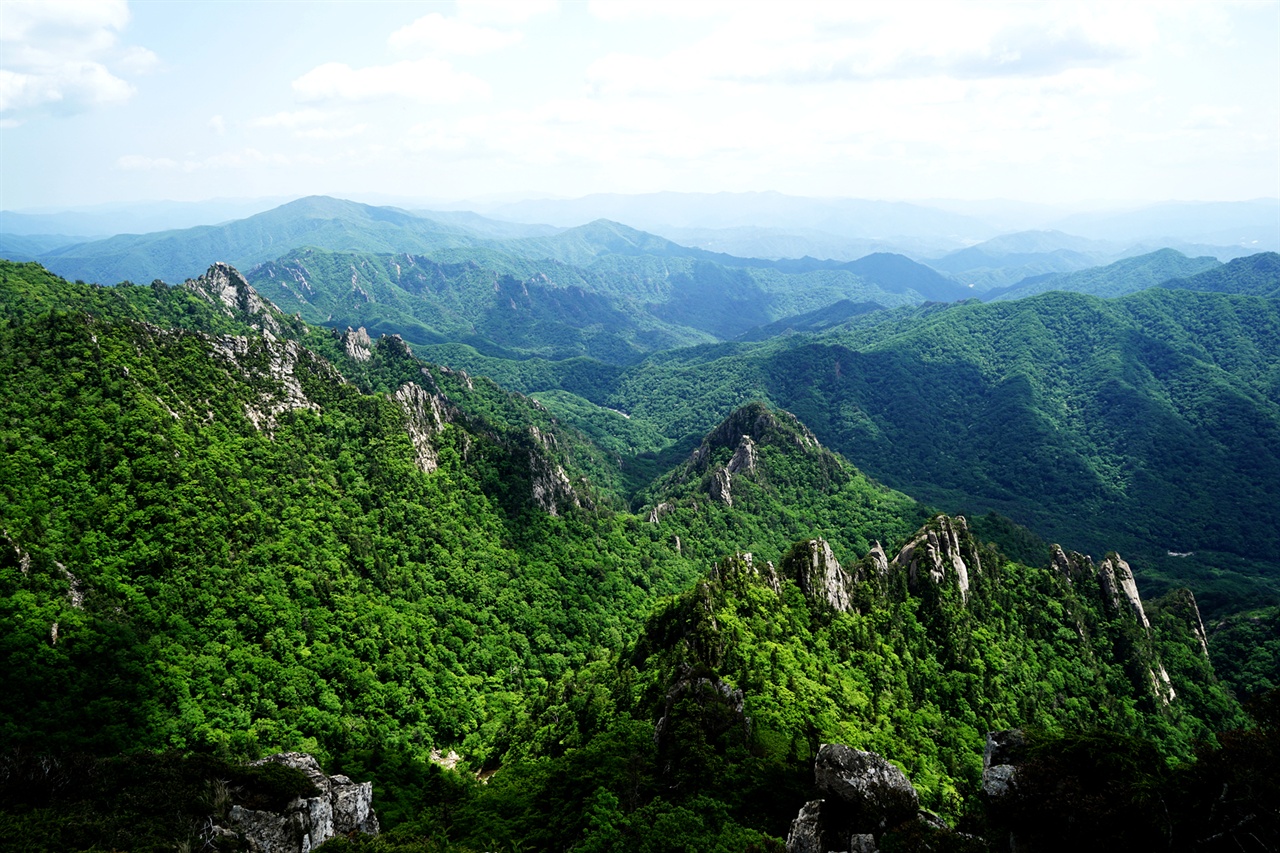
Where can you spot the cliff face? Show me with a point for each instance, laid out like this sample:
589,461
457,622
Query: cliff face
815,568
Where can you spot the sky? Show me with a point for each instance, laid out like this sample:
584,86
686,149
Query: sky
1059,103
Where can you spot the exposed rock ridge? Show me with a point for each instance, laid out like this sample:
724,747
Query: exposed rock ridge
282,359
1118,585
721,487
876,561
340,807
1184,604
550,483
357,344
1119,592
222,284
761,424
744,457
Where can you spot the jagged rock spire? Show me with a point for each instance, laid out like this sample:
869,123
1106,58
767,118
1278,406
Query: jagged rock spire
224,286
818,572
942,548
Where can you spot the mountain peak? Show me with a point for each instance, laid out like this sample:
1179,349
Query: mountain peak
761,425
224,287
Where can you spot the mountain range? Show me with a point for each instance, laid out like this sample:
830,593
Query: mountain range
228,531
628,528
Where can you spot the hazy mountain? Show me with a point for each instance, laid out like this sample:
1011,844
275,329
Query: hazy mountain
619,307
318,221
1253,225
132,218
1258,275
900,274
482,226
858,218
28,247
515,310
1009,258
761,242
819,320
1125,276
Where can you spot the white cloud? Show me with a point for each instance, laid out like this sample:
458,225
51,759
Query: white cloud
428,80
630,10
62,57
243,158
816,43
139,163
25,20
292,119
503,12
218,125
71,87
333,132
1210,117
452,35
138,60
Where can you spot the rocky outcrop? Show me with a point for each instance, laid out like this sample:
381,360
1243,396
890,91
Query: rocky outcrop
743,565
721,488
357,344
814,567
340,807
1120,596
743,460
745,430
425,416
1004,751
942,551
758,423
863,796
222,285
550,485
1119,588
1071,566
276,360
698,702
877,562
659,511
1182,603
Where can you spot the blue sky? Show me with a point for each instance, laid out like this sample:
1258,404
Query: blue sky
1059,103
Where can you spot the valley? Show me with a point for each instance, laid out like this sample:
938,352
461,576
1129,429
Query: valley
633,527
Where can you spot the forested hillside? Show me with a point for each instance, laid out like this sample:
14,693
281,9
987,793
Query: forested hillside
228,533
1117,279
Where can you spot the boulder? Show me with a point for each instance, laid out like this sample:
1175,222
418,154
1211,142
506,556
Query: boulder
869,794
1004,751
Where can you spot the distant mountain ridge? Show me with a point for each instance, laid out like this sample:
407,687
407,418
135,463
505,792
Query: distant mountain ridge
1117,279
1258,275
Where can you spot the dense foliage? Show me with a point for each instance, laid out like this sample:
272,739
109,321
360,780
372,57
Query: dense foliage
1149,423
227,532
